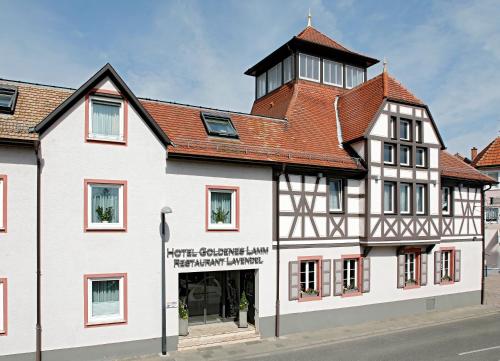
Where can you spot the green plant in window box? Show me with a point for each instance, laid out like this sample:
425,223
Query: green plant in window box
411,282
310,292
350,289
105,214
220,216
446,278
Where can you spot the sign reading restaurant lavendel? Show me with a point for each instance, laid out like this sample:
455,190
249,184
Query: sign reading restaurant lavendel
207,257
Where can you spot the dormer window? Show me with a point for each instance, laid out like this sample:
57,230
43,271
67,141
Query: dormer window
353,76
106,119
8,97
309,67
288,69
218,125
261,85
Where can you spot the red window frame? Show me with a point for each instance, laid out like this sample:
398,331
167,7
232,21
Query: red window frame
103,93
86,226
319,281
86,279
4,178
4,284
417,252
452,265
208,227
359,292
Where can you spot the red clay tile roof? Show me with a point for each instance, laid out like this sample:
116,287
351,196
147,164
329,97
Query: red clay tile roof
358,106
34,103
314,36
489,156
454,167
260,138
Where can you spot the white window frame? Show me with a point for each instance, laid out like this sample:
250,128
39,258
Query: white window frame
392,127
224,226
448,197
393,148
279,77
418,131
121,205
107,318
314,263
114,102
446,259
411,258
288,62
334,63
408,198
417,187
347,69
346,283
319,67
424,156
393,187
408,159
404,121
261,80
341,195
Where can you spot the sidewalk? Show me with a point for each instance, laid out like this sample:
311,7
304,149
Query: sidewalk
329,336
492,289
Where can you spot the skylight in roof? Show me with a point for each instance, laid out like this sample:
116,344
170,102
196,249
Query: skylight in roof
8,96
219,125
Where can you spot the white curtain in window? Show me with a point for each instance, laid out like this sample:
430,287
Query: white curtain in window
404,197
354,76
105,297
420,198
388,197
106,120
220,207
106,197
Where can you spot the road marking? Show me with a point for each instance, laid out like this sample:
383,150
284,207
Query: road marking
480,350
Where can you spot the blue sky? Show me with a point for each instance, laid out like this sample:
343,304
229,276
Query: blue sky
195,51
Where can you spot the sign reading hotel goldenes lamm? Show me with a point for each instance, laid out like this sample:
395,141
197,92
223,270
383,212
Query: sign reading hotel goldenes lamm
206,257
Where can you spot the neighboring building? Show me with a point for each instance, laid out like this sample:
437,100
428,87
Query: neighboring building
332,202
488,162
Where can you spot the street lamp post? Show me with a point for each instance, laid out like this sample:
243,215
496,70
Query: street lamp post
164,211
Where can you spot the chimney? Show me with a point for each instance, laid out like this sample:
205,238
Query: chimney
473,153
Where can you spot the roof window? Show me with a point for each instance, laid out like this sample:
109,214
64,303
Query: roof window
219,125
8,97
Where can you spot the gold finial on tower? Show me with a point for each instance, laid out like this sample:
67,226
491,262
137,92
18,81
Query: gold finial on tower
309,18
385,65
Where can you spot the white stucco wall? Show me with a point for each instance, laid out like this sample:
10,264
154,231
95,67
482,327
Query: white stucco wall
18,249
383,277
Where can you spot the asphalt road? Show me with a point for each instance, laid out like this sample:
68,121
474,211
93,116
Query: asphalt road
469,340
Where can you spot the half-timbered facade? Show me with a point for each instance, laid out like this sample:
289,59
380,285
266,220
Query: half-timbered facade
332,202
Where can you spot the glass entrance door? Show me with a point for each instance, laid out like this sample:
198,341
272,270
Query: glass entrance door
202,292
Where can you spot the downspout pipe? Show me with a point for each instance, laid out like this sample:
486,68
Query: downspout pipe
277,237
483,248
38,350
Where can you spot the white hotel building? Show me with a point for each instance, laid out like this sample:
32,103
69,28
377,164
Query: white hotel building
332,202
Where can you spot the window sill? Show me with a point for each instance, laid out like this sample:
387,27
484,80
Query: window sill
105,229
215,229
309,298
336,212
106,323
446,283
352,294
3,333
410,287
106,141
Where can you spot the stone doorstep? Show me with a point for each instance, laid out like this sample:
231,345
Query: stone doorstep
216,340
215,329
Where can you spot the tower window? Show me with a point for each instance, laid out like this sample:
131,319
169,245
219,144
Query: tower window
261,85
332,73
8,97
354,76
219,125
288,69
274,77
309,67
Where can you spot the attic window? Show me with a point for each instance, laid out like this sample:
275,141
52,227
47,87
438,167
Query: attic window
219,125
8,97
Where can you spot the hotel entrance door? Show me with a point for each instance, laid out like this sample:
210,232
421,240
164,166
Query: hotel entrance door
214,296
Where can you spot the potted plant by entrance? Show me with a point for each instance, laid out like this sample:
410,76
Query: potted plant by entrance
105,214
220,215
183,319
243,311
